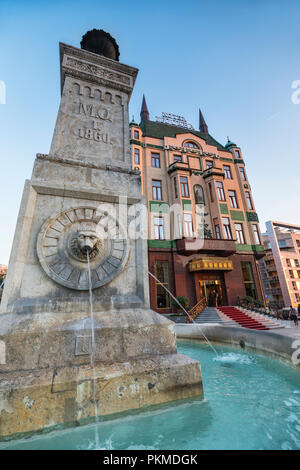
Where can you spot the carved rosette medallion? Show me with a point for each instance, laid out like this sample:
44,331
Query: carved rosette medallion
67,240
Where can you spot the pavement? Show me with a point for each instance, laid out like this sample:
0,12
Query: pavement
292,332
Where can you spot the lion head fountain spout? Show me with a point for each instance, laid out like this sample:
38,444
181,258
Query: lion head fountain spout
87,243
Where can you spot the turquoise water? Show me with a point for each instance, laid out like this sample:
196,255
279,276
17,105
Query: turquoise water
252,401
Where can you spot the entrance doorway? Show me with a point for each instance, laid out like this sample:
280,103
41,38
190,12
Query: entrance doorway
212,291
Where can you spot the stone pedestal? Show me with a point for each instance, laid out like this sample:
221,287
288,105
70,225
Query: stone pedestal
84,196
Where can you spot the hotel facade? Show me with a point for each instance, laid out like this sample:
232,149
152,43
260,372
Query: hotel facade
187,177
280,268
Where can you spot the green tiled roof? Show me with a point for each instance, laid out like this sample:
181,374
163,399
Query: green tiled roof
160,130
230,144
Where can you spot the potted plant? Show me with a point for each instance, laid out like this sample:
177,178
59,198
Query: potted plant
184,301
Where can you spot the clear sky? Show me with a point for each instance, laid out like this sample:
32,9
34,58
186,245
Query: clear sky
236,59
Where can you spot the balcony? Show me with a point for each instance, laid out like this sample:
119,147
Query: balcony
189,246
178,166
270,268
213,171
273,279
275,291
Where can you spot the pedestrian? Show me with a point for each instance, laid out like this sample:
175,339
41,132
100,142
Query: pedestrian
293,315
215,298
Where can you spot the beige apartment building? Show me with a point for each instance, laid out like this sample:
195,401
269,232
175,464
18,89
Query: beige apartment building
280,268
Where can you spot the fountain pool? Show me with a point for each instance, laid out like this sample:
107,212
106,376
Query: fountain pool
252,401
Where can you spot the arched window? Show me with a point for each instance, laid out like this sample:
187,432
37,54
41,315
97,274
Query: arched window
191,145
199,194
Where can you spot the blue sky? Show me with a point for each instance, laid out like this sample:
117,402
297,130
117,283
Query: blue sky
235,59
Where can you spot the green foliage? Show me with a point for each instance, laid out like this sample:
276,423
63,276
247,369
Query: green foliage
184,301
251,301
206,231
256,302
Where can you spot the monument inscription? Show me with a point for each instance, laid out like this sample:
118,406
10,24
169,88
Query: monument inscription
83,345
91,110
97,129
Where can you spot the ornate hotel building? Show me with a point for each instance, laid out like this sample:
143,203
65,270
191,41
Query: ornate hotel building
190,171
280,268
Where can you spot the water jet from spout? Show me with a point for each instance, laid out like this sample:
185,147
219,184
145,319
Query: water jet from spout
93,352
186,312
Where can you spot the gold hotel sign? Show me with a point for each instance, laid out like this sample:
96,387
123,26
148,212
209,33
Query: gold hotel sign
220,264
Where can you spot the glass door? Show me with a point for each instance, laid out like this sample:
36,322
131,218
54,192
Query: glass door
211,290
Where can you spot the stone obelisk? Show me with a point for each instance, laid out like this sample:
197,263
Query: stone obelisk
82,198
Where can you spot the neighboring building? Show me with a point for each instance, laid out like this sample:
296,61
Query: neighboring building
190,168
280,268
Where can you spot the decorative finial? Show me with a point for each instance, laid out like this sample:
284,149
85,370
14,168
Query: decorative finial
100,42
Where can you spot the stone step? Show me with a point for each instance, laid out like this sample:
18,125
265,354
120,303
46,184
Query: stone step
211,315
271,323
221,322
242,318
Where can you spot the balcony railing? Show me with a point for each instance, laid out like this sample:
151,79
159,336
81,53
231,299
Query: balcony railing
273,279
274,291
196,310
270,268
178,166
213,171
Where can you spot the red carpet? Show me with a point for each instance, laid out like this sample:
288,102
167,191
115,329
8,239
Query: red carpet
242,318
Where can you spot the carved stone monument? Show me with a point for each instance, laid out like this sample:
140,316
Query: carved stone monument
81,200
